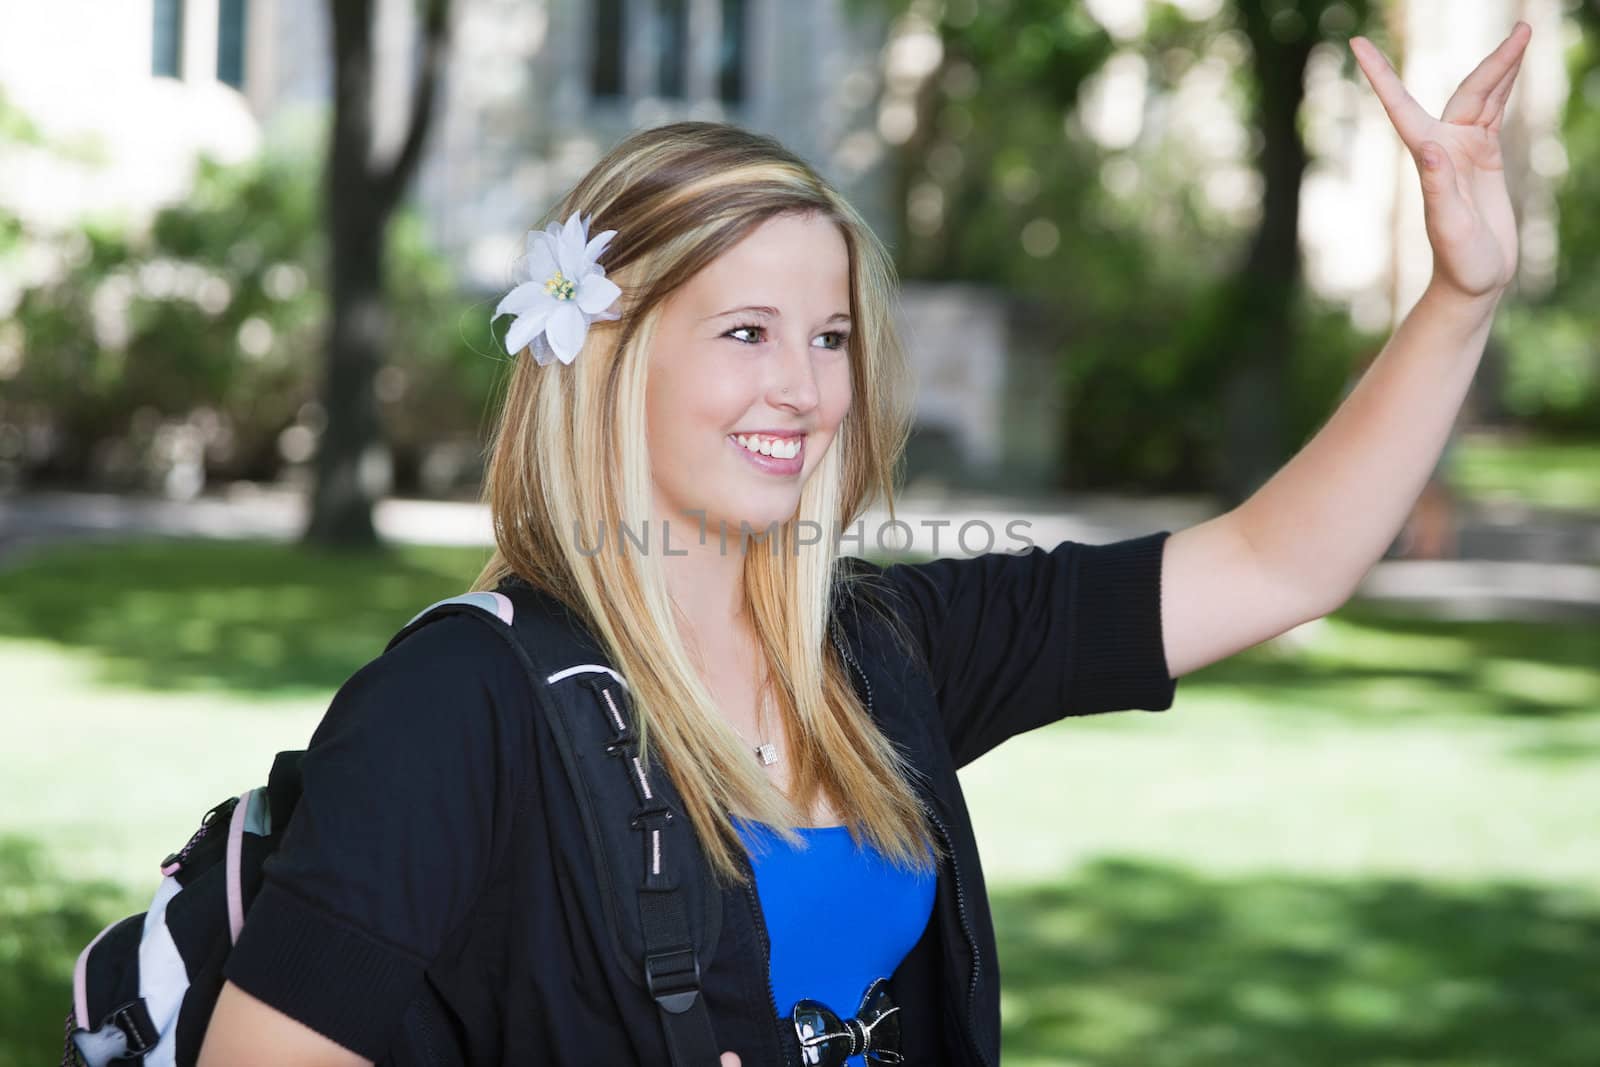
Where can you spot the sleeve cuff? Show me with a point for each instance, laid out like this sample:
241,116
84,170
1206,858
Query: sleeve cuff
323,972
1122,661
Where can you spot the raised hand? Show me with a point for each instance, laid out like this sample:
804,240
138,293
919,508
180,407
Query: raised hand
1468,211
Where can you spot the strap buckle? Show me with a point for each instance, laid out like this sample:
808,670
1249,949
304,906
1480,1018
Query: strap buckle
651,815
125,1032
673,979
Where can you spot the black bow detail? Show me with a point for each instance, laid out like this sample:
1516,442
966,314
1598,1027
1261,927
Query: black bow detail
827,1041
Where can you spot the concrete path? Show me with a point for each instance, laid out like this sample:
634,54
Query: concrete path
1515,563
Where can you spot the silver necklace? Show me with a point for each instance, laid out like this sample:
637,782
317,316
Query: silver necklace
766,750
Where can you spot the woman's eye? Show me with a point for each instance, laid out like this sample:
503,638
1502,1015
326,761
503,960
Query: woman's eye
833,340
754,330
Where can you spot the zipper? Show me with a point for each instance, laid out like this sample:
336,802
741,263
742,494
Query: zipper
966,928
955,870
766,942
217,816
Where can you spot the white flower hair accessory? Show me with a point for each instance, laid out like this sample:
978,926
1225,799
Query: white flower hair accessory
562,291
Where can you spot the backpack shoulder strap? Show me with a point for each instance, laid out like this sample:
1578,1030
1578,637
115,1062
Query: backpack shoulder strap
663,908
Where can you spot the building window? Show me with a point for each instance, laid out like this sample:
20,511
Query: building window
731,45
166,52
687,50
672,45
230,42
605,71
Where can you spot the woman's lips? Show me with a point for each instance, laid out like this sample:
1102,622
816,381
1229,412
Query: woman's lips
772,464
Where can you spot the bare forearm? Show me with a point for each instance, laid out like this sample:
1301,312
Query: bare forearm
1324,519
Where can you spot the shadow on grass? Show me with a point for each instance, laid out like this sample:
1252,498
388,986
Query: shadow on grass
262,618
1128,964
1543,670
45,921
1143,964
277,619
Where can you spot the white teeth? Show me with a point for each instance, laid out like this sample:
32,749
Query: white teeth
769,446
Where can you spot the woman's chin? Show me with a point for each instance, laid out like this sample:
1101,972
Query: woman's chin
750,519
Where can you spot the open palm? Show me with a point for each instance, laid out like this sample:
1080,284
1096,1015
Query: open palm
1468,211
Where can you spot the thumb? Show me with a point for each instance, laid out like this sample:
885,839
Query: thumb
1440,194
730,1059
1438,173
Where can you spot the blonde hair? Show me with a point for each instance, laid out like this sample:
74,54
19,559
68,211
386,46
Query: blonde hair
568,454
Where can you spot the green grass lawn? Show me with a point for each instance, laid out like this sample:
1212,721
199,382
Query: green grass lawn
1549,474
1370,842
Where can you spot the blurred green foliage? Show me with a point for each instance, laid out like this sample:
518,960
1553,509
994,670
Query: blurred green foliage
1552,365
1129,267
1580,136
204,330
1552,344
15,130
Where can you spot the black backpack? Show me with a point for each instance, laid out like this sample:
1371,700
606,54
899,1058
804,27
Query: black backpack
145,987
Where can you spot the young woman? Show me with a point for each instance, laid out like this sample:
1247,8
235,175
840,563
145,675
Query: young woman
717,356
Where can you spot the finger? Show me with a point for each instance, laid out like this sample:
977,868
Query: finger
1441,197
1410,121
730,1059
1469,102
1494,109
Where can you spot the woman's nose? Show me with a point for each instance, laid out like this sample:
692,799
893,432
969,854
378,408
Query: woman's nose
795,383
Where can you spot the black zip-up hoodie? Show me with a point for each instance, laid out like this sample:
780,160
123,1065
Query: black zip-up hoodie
436,839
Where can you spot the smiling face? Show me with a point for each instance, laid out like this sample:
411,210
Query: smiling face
754,348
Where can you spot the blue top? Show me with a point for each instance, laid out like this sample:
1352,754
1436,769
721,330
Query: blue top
837,915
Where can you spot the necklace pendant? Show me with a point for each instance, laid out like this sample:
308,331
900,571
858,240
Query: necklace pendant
768,753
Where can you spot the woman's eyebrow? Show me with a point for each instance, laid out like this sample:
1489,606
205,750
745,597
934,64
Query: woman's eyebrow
770,313
753,309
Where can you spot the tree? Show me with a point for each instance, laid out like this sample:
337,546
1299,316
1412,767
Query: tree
1551,343
1190,354
359,200
1255,339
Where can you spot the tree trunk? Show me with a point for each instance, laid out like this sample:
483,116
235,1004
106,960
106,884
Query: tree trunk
1260,325
351,461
